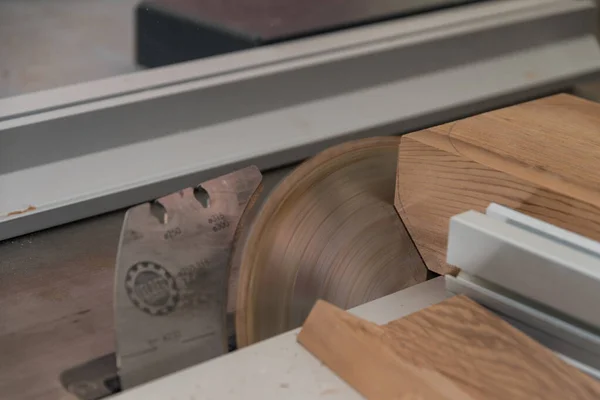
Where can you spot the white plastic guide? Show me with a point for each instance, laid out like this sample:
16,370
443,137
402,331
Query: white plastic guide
530,258
544,229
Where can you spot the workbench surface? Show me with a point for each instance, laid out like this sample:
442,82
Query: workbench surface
280,368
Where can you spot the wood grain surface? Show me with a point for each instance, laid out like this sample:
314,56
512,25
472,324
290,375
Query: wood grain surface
487,357
539,158
359,352
452,350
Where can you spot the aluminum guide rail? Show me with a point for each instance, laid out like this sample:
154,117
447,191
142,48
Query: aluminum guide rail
528,263
78,151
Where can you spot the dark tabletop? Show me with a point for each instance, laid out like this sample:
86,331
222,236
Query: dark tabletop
278,19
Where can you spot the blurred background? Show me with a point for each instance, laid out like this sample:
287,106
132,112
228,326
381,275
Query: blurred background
51,43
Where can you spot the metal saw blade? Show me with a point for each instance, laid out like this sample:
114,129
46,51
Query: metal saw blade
328,231
172,277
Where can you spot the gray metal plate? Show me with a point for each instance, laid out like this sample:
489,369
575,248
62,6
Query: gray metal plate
172,277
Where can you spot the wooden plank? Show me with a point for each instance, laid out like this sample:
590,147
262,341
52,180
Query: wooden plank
433,185
553,142
538,158
486,356
358,352
455,349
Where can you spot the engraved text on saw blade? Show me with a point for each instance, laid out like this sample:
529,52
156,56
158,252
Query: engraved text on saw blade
172,233
219,222
199,337
165,338
200,284
139,353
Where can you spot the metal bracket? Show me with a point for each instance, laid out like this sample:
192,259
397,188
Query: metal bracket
94,379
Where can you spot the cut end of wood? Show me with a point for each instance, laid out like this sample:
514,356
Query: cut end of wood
327,319
538,157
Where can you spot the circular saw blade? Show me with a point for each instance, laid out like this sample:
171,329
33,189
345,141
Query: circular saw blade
328,231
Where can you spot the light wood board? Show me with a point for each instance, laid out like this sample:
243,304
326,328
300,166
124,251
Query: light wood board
358,351
452,350
540,158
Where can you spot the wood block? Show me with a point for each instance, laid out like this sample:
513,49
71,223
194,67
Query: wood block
486,356
359,353
540,158
452,350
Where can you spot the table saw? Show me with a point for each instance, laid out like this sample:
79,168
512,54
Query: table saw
179,140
